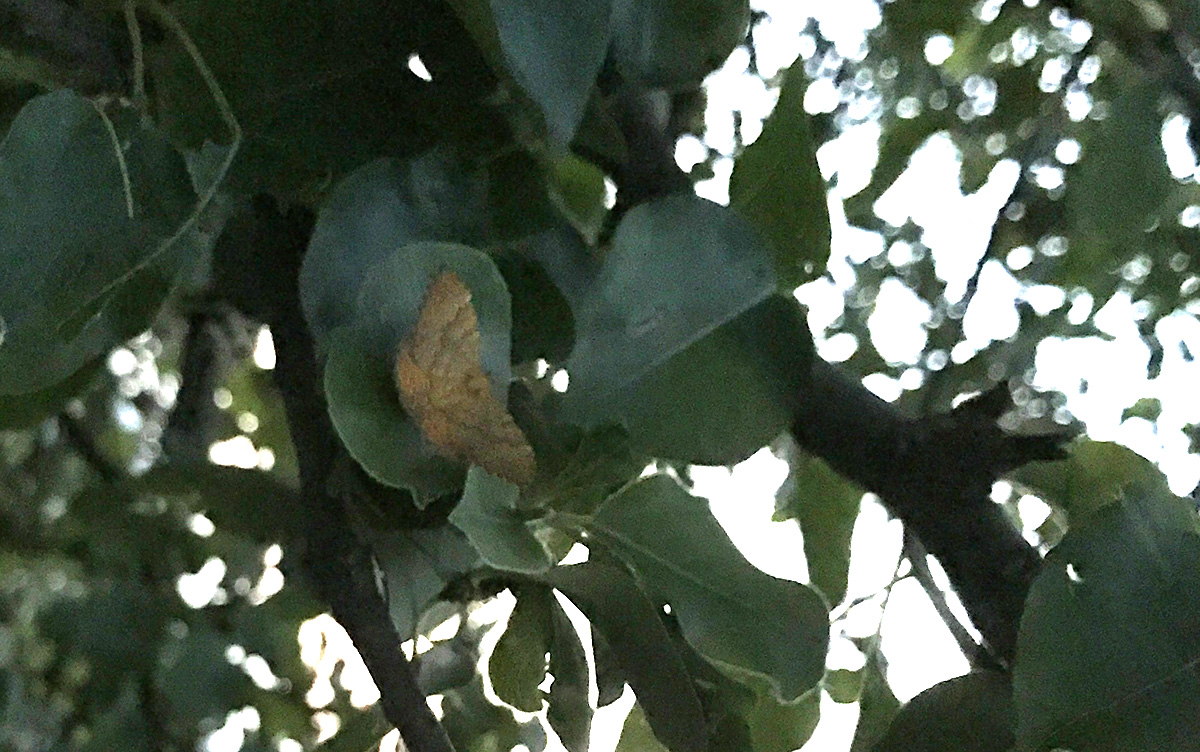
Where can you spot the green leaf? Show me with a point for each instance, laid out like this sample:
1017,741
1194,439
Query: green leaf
843,685
475,724
636,735
675,43
91,238
543,325
1109,641
418,564
1092,477
487,514
365,409
1126,151
554,52
783,726
569,712
373,212
640,646
877,705
735,615
826,507
319,87
679,268
971,713
577,187
726,396
777,185
517,665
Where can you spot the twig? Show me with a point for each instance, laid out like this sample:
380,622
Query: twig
81,440
975,653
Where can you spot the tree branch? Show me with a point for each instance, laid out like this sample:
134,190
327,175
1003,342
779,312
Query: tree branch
936,474
337,560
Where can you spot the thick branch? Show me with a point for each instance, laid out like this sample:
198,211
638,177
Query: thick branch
338,561
936,475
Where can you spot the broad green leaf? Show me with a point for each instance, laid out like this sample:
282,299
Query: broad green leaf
640,646
319,87
783,726
1109,641
1090,478
569,712
636,735
1107,225
555,51
679,267
843,685
418,564
372,213
487,514
877,705
971,713
597,466
517,665
675,43
777,185
27,410
93,214
735,615
825,505
726,396
365,409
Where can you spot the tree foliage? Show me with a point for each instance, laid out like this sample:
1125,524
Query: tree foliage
288,286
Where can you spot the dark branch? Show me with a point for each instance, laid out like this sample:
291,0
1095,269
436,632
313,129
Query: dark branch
936,474
338,561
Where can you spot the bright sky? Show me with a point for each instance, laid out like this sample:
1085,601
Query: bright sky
918,646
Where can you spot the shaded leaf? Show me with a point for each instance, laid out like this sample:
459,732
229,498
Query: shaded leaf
877,705
73,288
726,396
418,564
971,713
1091,477
679,267
518,664
487,514
1110,637
639,644
673,44
554,51
777,185
569,712
676,547
825,505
